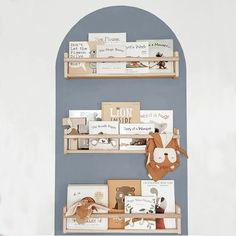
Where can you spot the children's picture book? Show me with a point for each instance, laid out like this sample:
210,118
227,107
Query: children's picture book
99,192
90,115
107,37
134,143
162,119
142,205
108,51
137,49
164,191
103,127
123,112
82,49
160,48
117,190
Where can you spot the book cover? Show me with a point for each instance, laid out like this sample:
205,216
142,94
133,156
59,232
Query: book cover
134,143
107,37
111,50
90,115
164,191
142,205
82,49
123,112
103,127
162,119
160,48
137,49
117,190
99,192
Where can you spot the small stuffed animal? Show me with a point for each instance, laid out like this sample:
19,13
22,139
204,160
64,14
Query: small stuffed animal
162,155
83,209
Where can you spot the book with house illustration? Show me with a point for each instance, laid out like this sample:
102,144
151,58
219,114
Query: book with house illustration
137,49
108,51
99,193
82,49
160,48
89,115
123,112
134,143
107,37
117,190
162,119
103,127
164,191
142,205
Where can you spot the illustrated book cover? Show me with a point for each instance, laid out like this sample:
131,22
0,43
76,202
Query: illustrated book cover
82,49
164,191
108,51
160,48
142,205
99,192
107,37
162,119
123,112
117,190
134,143
137,49
103,127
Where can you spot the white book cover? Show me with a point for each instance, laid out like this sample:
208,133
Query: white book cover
111,50
162,119
164,191
103,127
134,143
142,205
137,49
160,48
107,37
82,49
99,192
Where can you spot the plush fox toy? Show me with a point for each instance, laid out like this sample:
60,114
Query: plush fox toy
162,155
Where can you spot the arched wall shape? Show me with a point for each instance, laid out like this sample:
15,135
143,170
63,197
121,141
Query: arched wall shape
88,94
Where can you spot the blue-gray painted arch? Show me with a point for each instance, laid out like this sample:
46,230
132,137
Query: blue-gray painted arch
88,94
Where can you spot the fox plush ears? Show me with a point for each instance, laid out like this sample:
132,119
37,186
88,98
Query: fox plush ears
162,155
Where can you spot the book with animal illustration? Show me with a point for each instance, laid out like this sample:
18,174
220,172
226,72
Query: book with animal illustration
123,112
134,143
142,205
99,193
82,49
162,119
137,49
164,191
160,48
117,190
90,115
103,127
111,50
107,37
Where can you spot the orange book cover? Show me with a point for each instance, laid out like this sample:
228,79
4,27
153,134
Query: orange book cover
117,190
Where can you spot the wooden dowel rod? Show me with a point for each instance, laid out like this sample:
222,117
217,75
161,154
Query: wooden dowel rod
120,59
134,136
133,215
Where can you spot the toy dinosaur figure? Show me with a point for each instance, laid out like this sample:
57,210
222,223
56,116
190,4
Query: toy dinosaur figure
83,209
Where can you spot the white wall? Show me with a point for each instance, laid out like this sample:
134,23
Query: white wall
30,34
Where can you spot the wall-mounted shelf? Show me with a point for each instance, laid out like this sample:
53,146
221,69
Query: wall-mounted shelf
67,137
118,214
174,59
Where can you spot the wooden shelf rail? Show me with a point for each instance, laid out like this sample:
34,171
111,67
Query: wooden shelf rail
67,138
177,216
174,59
